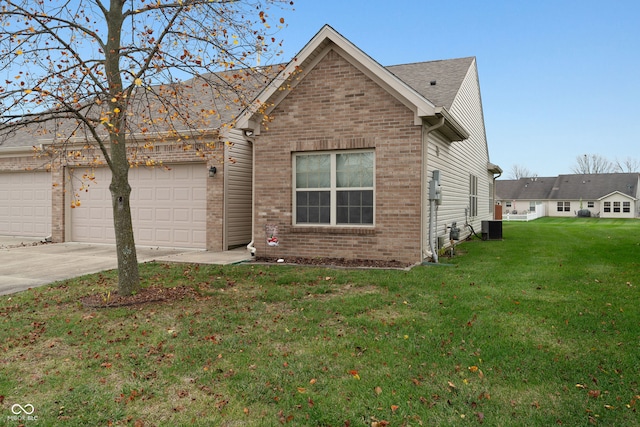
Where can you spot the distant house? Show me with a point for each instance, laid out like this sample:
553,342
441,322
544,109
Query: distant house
609,195
335,161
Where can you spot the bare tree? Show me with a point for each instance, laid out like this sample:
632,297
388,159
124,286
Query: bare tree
518,171
100,71
592,164
628,165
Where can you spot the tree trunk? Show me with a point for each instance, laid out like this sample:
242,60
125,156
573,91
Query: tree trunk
128,276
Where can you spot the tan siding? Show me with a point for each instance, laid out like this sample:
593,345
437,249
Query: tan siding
459,159
238,190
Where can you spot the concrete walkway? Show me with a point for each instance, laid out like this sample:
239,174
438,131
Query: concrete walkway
24,263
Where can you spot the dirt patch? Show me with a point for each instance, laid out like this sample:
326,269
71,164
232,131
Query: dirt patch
152,294
336,262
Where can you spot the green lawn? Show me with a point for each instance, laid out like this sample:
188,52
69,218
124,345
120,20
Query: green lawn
540,329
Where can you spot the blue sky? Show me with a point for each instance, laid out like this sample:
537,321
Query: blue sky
559,78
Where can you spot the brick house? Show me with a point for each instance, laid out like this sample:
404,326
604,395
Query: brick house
341,152
344,164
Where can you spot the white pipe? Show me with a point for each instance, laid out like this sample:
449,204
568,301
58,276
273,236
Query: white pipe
427,131
250,247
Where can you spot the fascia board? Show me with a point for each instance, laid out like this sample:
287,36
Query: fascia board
617,193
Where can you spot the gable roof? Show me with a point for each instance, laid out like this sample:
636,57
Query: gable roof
594,186
569,187
409,85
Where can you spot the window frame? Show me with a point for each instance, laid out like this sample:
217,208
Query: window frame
616,207
563,207
333,189
607,207
626,207
473,196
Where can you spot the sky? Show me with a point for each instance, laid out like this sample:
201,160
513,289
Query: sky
558,78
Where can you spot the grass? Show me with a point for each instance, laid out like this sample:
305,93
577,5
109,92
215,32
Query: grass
539,329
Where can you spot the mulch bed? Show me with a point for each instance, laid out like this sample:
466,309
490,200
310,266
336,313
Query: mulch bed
152,294
336,262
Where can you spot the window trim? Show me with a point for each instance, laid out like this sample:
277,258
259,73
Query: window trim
473,196
333,189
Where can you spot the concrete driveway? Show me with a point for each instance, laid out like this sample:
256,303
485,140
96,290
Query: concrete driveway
25,264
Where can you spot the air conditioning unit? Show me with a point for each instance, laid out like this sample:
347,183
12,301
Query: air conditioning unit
491,230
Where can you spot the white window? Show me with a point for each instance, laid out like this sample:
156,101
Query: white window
616,207
532,206
607,206
590,204
564,206
626,207
473,195
334,188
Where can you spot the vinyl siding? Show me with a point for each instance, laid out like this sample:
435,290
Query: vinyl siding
457,160
238,190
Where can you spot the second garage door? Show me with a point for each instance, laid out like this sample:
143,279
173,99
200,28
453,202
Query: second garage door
25,204
168,207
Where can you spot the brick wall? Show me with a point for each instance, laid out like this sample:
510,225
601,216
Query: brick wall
337,107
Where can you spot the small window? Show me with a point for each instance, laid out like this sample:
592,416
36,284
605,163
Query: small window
564,207
508,204
532,206
590,204
607,206
616,207
626,207
334,188
473,195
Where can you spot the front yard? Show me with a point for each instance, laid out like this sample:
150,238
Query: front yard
539,329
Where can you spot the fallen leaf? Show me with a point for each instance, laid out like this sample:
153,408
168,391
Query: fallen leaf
302,390
312,381
378,390
246,411
394,408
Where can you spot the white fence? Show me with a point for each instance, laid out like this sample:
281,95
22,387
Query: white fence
525,215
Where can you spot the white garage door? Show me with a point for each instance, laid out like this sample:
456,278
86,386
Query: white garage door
168,207
25,204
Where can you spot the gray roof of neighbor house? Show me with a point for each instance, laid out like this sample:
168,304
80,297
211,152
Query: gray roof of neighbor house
537,188
568,187
438,81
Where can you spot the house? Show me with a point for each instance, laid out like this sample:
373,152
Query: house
607,195
341,152
344,164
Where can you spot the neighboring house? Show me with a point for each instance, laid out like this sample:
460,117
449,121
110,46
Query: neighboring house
608,195
341,152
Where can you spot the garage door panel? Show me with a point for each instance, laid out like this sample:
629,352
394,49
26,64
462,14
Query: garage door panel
162,206
25,204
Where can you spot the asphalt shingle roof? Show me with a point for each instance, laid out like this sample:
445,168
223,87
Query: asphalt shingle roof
438,81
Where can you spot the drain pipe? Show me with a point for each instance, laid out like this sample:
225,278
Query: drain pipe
432,204
250,247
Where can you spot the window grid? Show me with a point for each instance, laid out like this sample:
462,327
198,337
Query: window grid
344,195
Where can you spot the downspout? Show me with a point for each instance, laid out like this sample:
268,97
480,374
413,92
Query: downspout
250,247
427,131
493,207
